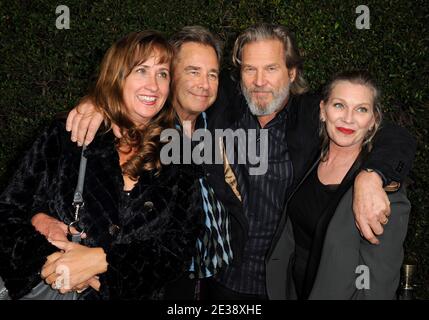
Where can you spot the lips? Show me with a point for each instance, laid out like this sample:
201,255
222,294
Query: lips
345,130
148,100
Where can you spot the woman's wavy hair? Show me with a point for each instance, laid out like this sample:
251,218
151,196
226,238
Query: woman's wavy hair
361,77
107,95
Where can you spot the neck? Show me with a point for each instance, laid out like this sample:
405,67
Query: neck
187,120
342,155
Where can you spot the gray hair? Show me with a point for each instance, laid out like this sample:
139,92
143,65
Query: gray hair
264,31
197,34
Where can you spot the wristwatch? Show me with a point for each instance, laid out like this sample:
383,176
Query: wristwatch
391,187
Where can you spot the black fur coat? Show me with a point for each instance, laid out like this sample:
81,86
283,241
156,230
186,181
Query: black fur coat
158,222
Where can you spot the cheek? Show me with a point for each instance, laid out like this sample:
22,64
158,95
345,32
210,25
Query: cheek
165,89
330,128
366,124
246,81
214,87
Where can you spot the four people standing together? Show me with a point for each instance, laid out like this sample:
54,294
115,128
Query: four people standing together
246,219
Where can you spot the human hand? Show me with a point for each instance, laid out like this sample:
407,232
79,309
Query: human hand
75,267
371,206
83,122
52,228
94,283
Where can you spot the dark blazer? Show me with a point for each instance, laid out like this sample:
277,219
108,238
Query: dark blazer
338,250
392,155
158,226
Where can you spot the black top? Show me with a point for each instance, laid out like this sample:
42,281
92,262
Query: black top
305,209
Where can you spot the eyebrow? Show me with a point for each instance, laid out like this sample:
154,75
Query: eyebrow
199,68
192,68
266,66
344,101
164,69
142,65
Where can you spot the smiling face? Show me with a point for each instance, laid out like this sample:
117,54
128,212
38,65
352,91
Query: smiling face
348,114
146,89
265,78
195,79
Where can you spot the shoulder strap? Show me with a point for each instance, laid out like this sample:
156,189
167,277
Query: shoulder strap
78,202
78,198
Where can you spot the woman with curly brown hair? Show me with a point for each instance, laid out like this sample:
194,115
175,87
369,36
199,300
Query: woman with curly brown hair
141,218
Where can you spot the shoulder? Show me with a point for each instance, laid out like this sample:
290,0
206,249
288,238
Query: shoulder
51,138
306,102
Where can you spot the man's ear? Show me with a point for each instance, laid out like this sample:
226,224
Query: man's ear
292,74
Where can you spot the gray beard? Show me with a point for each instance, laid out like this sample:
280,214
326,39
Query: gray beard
273,106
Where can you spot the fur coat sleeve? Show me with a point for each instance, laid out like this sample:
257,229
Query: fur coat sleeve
23,250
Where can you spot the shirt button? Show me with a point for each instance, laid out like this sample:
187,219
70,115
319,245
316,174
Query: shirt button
113,229
148,205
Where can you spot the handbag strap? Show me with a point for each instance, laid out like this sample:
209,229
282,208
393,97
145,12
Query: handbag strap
78,202
78,198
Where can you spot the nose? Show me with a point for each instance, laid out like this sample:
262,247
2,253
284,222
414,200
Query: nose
348,115
204,82
260,78
152,83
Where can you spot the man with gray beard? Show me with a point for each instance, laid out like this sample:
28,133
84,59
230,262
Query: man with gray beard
275,105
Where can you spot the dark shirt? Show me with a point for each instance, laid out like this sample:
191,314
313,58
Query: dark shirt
263,198
305,209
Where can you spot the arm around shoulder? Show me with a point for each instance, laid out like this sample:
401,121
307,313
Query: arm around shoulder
393,153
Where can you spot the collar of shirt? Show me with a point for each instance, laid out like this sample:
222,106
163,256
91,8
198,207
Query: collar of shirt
200,123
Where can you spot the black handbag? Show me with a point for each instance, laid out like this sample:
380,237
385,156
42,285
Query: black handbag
43,291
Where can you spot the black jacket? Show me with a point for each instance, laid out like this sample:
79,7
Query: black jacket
158,225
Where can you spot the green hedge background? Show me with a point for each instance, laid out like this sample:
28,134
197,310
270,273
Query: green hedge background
44,70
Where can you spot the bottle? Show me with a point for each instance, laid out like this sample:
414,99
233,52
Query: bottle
406,291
